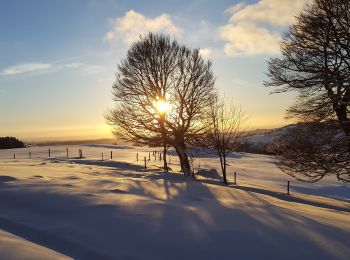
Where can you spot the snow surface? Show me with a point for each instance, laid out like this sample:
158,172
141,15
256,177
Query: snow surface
267,136
14,247
114,209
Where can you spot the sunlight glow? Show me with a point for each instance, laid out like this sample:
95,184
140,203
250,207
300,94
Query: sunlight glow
162,106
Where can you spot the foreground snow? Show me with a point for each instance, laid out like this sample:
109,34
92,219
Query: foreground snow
14,247
114,209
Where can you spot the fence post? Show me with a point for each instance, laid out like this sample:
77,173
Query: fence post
30,155
67,152
49,153
288,188
14,156
235,178
102,156
137,156
145,164
149,156
111,155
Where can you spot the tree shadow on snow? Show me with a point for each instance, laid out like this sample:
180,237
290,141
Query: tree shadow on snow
291,198
275,194
205,228
105,163
169,216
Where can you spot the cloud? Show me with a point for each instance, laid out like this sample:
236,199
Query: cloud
25,68
92,69
73,65
255,28
245,38
233,9
273,12
39,68
205,52
133,24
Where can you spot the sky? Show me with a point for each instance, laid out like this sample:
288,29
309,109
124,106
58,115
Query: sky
58,58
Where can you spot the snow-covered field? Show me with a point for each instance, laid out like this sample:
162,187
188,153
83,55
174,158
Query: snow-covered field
59,208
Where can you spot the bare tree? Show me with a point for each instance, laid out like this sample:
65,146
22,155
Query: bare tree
162,91
315,62
225,134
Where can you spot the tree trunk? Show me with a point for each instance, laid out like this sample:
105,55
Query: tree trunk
223,167
224,170
344,121
165,141
184,162
166,169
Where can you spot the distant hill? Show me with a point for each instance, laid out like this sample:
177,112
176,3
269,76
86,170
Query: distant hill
257,140
77,142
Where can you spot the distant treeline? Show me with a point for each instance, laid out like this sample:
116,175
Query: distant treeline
9,142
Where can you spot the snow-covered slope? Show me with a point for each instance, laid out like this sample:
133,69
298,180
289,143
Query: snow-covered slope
264,137
114,209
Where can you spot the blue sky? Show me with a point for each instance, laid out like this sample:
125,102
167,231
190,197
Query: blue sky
58,58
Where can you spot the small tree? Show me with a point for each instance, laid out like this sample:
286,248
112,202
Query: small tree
225,133
160,75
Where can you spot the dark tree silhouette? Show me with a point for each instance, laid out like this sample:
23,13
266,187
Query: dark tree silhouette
315,62
159,72
10,142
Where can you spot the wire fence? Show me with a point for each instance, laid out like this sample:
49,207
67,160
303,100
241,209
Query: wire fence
147,158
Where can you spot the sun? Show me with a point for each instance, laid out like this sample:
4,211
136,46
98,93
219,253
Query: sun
162,106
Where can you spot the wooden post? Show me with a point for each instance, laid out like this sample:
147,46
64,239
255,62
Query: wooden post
137,156
81,153
145,164
149,156
235,178
67,152
102,156
14,156
160,156
49,153
30,155
111,155
288,188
